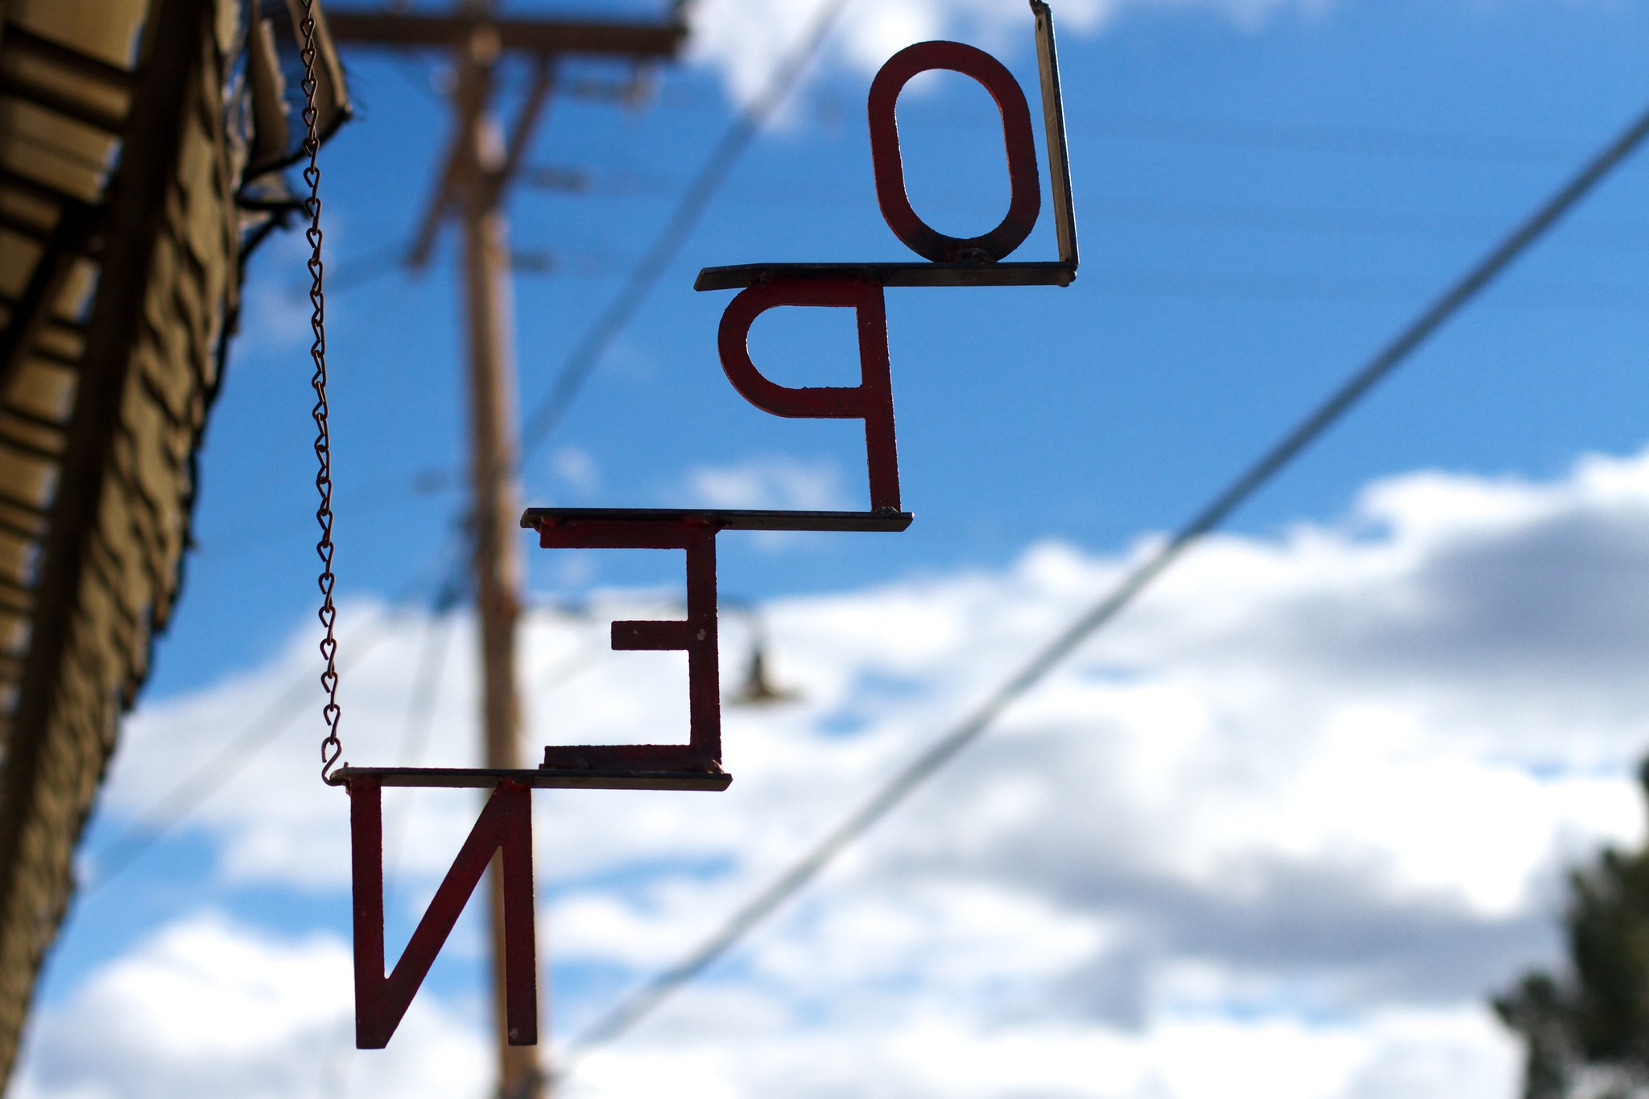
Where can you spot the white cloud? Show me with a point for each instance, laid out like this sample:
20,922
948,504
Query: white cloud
205,1008
746,39
576,469
775,482
771,482
1395,1055
1303,806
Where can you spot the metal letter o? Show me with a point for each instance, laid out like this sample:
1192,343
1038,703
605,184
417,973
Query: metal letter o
1025,200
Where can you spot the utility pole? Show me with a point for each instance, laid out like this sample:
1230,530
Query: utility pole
494,492
474,179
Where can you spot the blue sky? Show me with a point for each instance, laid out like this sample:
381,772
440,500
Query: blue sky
1265,192
1260,206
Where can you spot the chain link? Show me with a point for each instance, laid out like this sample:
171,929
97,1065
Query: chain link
331,747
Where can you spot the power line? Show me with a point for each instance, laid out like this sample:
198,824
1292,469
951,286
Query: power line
1305,137
420,718
1260,133
1339,289
359,270
633,1008
189,793
1221,216
171,808
601,333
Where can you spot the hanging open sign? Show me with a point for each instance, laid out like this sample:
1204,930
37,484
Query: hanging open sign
694,762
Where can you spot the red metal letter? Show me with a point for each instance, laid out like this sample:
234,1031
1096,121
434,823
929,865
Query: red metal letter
887,162
381,1002
871,400
696,634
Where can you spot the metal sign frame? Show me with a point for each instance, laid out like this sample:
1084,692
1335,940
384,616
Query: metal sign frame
505,824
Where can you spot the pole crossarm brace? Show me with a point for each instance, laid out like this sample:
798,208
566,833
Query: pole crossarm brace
460,161
473,93
538,36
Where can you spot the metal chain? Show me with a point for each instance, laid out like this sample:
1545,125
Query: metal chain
331,746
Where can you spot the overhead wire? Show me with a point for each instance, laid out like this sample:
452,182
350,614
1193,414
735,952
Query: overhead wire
638,1004
169,810
1346,290
359,270
185,796
1301,137
1226,216
1298,136
173,807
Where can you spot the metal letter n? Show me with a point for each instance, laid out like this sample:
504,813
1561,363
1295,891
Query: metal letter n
505,825
871,400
